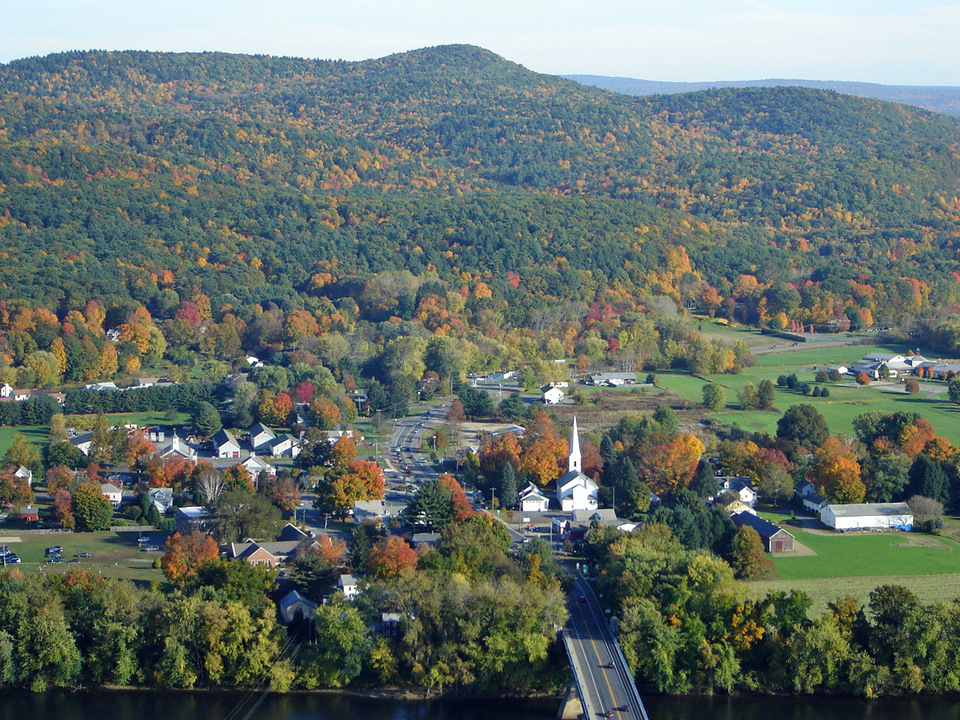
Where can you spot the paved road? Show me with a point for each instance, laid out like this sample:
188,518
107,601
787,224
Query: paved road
603,678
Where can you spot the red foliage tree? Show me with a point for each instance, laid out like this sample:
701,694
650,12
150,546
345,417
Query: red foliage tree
390,557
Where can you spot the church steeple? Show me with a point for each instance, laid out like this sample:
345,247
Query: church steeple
575,462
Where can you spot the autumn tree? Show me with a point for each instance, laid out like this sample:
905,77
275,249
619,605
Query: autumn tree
669,467
837,472
747,556
63,509
91,508
185,554
390,557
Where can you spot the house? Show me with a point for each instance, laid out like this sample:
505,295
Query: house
775,538
291,533
260,438
389,624
376,510
531,499
255,466
428,539
811,500
82,442
348,586
736,506
113,494
162,499
270,554
552,395
868,516
6,391
192,518
285,446
294,607
739,486
225,445
24,473
575,491
101,386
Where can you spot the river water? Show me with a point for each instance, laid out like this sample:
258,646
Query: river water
151,705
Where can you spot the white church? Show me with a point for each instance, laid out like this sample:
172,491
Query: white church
575,491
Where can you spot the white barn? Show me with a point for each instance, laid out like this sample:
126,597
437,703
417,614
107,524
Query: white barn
868,516
532,500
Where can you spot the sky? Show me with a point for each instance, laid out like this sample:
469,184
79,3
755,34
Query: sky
895,42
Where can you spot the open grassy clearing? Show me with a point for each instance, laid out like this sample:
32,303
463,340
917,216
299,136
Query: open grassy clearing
929,588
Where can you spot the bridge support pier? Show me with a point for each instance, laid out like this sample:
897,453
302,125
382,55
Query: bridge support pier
571,708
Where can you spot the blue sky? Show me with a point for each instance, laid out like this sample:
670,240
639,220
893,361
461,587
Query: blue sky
904,42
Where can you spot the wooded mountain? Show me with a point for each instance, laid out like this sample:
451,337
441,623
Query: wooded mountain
125,174
941,99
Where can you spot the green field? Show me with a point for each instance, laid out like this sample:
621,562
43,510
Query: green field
846,401
36,434
111,554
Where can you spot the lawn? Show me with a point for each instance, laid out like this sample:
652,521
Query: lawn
111,554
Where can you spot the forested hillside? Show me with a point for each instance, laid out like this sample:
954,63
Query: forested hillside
152,179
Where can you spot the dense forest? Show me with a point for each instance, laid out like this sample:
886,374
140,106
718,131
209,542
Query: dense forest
152,179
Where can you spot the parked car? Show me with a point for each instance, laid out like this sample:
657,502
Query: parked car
11,559
82,555
54,550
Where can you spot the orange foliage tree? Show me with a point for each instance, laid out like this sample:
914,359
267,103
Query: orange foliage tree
390,557
837,472
462,508
669,467
185,554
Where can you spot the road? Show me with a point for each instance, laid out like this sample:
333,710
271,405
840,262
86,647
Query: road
603,678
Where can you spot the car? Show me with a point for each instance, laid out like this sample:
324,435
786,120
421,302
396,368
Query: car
54,550
150,548
82,555
582,599
143,539
74,560
608,713
11,559
624,708
609,666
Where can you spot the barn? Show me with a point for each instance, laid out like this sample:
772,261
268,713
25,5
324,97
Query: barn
775,538
868,516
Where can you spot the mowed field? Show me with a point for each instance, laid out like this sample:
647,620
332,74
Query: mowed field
112,554
855,563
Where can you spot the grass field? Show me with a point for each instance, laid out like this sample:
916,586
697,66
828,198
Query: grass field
36,434
111,554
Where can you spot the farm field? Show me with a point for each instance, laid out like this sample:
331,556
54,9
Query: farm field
847,400
37,434
929,588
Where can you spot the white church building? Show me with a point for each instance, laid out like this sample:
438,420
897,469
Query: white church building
575,491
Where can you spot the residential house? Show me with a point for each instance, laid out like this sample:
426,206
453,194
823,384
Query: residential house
270,554
257,466
225,445
390,624
811,500
775,538
348,586
428,539
176,447
551,395
113,493
261,438
606,517
162,499
868,516
739,486
29,514
575,491
6,391
82,442
294,607
24,473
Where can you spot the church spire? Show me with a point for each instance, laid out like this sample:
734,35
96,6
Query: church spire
575,462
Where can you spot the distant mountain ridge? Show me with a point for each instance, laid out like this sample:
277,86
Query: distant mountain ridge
939,99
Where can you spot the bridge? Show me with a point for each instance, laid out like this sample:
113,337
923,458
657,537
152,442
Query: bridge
603,679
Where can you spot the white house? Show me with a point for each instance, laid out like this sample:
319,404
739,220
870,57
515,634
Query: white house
739,486
868,516
255,466
25,473
812,501
532,500
82,442
113,494
260,438
162,498
348,586
285,446
6,391
225,445
575,491
552,395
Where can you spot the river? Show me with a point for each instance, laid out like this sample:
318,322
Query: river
151,705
